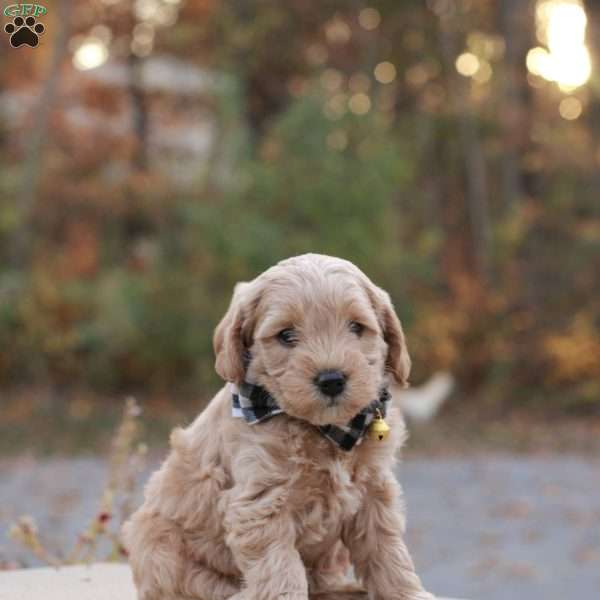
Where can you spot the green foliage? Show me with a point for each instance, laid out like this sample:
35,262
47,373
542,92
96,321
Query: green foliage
301,195
152,326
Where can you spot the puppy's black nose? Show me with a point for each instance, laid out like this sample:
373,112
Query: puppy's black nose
331,383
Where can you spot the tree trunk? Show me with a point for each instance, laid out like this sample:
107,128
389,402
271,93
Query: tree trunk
476,190
516,25
139,112
36,141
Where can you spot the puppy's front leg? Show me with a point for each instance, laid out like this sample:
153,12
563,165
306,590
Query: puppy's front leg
262,538
379,554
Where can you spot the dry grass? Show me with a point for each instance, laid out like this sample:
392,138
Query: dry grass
114,507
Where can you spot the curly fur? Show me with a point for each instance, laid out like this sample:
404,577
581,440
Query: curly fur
276,511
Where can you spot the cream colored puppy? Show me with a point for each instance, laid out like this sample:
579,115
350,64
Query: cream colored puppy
281,476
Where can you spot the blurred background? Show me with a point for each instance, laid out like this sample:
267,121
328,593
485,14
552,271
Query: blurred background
155,152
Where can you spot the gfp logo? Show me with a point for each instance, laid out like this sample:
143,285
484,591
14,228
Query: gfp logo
25,28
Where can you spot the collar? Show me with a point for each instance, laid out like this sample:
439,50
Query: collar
254,404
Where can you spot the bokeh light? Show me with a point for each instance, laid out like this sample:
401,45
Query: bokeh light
369,18
91,54
570,108
561,25
385,72
539,62
337,31
359,104
467,64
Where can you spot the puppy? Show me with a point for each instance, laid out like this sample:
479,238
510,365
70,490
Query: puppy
281,477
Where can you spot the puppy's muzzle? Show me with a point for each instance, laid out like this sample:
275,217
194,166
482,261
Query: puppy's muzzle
331,383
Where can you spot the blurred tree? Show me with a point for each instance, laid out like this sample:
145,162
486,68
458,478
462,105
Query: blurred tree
36,136
184,146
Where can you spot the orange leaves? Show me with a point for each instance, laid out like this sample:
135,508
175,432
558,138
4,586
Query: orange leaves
575,353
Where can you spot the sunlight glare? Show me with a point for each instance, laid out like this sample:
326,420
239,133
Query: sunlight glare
561,25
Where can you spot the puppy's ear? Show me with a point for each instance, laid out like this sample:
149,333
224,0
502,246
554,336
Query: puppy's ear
231,335
398,360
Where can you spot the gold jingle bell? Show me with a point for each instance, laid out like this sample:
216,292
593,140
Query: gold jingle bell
379,429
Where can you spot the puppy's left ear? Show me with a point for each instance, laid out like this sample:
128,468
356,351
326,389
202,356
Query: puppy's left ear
398,361
231,335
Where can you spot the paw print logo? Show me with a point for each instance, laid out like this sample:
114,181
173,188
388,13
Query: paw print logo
24,31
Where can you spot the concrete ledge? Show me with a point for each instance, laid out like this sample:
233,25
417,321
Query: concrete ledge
95,582
102,581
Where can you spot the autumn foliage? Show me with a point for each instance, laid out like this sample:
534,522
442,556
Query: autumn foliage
222,137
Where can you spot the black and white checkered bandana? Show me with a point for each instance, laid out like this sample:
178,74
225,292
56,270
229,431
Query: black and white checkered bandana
254,404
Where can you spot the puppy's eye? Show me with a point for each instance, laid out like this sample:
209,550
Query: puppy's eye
357,328
288,337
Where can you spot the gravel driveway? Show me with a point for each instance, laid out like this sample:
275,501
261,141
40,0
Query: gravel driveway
490,528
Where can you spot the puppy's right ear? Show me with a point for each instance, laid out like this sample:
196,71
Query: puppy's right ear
230,337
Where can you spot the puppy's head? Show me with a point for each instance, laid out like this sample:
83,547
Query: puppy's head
317,334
